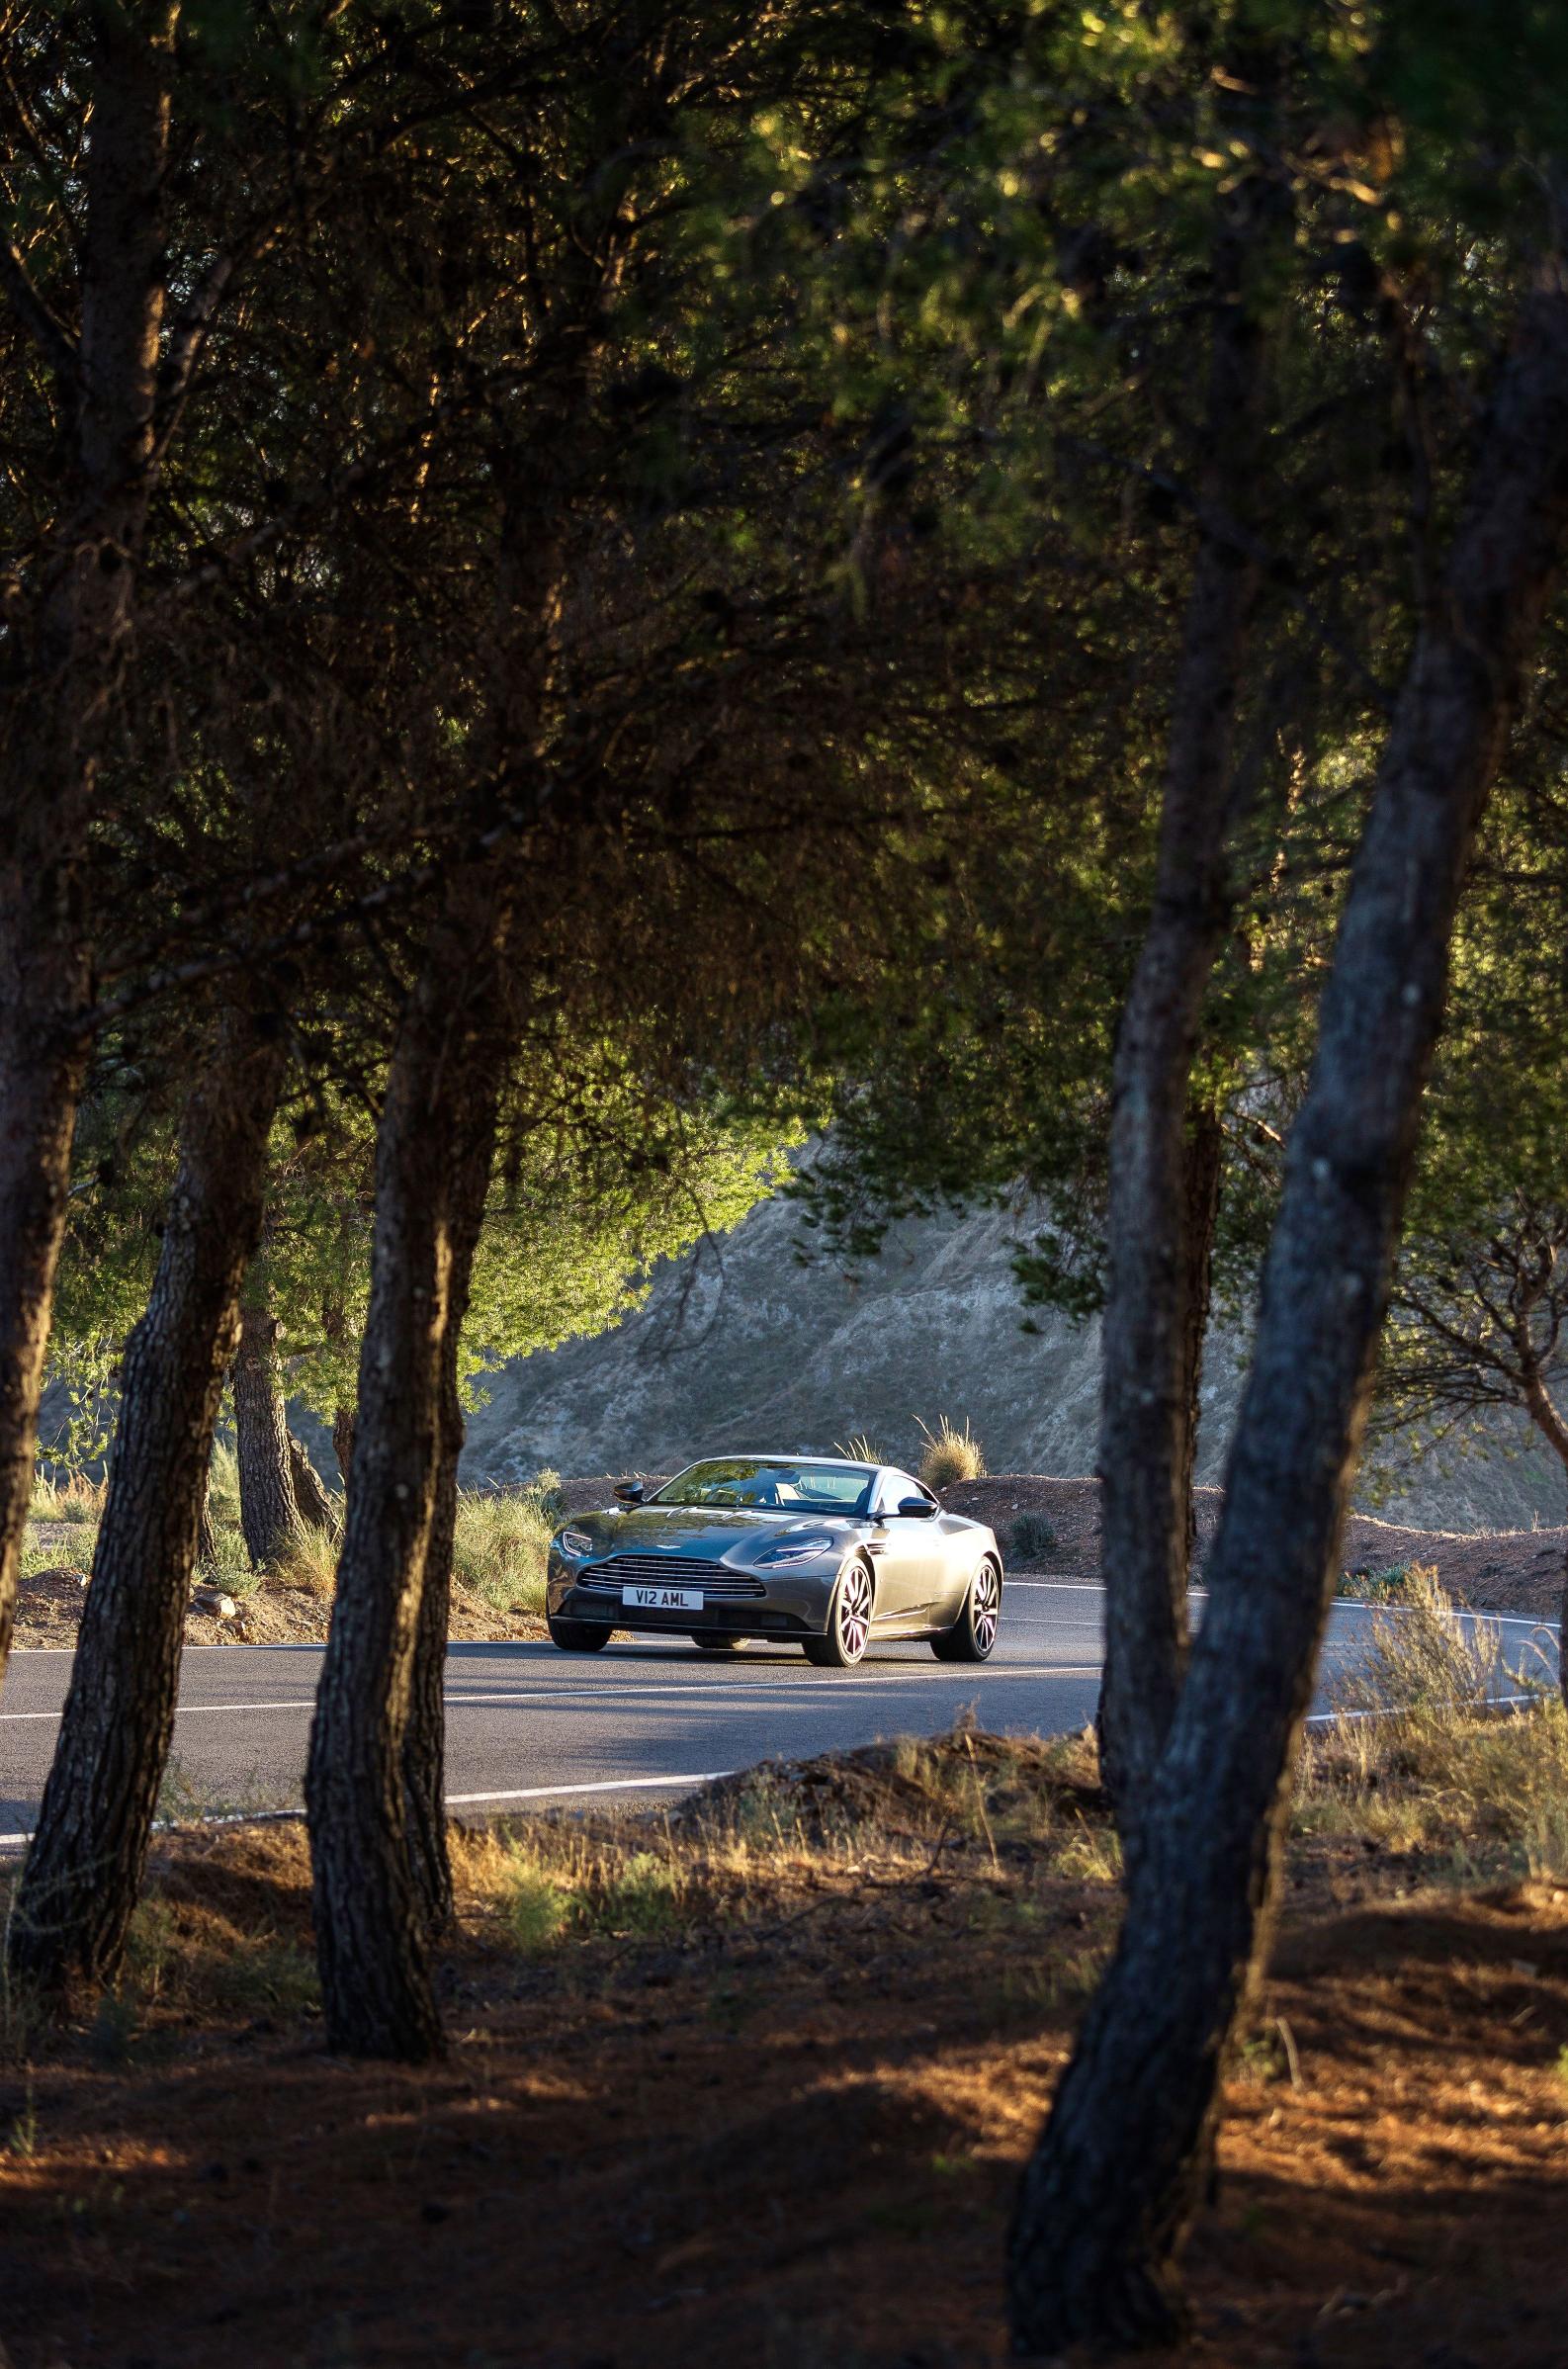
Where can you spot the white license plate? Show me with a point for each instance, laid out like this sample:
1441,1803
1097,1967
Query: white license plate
664,1600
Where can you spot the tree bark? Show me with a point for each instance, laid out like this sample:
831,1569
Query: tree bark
1158,1234
56,716
315,1509
1203,1174
85,1864
425,1745
1108,2196
1544,1414
438,1118
269,1511
343,1422
206,1528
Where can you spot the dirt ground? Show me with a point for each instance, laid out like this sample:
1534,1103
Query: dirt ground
782,2124
1498,1571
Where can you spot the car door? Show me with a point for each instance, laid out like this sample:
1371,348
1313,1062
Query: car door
907,1549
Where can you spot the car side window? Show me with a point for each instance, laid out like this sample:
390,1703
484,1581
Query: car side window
894,1489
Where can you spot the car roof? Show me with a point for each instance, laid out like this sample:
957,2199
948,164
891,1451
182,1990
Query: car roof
789,1455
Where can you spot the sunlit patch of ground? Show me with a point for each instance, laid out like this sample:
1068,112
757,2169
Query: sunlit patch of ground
752,2085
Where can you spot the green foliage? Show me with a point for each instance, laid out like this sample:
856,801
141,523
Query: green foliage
1399,1584
535,1908
1030,1537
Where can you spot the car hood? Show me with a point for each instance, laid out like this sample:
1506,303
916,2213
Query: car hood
709,1531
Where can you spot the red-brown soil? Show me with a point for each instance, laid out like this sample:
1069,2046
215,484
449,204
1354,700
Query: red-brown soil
784,2133
1502,1571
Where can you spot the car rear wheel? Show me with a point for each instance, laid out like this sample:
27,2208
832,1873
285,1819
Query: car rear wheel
714,1640
848,1623
578,1636
974,1632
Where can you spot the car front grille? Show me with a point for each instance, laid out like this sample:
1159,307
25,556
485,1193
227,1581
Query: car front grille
669,1571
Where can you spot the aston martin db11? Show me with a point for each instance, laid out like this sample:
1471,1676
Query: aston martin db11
808,1551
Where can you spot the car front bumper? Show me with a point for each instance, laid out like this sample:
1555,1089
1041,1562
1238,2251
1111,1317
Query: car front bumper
786,1603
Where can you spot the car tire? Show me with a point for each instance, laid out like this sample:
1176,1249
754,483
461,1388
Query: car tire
714,1640
974,1632
578,1636
848,1620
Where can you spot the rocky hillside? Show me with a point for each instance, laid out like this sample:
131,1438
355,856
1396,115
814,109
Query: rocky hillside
744,1345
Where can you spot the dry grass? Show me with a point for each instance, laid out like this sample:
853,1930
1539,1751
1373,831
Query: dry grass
1472,1792
859,1449
75,1500
499,1554
951,1455
502,1544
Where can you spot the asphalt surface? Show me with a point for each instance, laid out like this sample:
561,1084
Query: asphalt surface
524,1722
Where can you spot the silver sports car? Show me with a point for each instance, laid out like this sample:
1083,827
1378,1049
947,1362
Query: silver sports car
810,1551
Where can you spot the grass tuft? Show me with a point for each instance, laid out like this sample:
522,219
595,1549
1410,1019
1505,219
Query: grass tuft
859,1449
950,1454
75,1498
308,1562
1440,1769
501,1542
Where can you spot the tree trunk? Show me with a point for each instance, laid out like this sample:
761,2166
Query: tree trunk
206,1528
315,1509
1107,2201
56,719
439,1117
40,1077
343,1421
269,1511
1203,1171
425,1745
85,1864
1544,1414
1153,1323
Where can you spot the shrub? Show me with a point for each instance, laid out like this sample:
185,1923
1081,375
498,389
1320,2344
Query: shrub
230,1568
643,1896
1398,1583
950,1454
1030,1539
1419,1661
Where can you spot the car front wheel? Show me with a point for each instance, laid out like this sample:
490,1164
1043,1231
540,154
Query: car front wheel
974,1632
848,1622
578,1636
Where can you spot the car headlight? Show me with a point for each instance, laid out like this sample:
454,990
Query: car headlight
575,1542
797,1550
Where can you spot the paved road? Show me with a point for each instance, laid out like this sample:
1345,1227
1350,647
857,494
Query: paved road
524,1721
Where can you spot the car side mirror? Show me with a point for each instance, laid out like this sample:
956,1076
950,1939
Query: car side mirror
918,1508
630,1492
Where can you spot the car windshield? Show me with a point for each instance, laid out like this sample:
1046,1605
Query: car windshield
771,1481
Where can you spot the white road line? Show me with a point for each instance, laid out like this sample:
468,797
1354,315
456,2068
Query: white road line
608,1785
746,1696
14,1836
